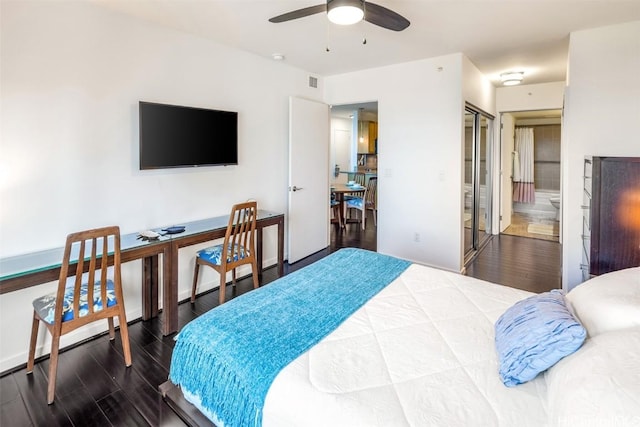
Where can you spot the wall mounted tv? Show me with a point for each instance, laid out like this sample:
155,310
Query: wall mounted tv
173,136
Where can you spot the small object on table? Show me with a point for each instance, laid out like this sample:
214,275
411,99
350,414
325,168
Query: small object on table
174,229
148,235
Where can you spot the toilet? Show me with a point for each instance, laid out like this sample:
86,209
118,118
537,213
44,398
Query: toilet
555,202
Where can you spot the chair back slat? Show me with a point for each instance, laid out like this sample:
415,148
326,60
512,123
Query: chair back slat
92,278
104,269
77,283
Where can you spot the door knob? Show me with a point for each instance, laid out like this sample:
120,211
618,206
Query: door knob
294,188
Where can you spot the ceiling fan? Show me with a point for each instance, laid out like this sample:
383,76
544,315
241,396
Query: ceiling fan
347,12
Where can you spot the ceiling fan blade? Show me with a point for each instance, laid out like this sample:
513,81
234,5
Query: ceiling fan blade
383,17
300,13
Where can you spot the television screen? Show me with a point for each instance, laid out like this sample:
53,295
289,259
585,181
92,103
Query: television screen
173,136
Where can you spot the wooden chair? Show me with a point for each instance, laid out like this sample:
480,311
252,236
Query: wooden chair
238,248
67,309
368,201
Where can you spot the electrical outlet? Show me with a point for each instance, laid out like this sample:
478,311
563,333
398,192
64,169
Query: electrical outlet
416,237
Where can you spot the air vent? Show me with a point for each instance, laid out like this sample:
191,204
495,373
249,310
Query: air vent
313,82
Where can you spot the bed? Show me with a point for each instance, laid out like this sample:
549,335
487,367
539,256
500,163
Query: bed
409,345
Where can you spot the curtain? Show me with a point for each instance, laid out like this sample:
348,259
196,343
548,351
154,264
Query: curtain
523,185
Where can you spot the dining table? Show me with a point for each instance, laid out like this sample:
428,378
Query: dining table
340,190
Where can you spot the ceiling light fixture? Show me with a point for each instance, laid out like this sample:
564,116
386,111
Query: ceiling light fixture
345,12
277,56
512,78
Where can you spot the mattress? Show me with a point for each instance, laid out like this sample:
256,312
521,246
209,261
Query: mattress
419,353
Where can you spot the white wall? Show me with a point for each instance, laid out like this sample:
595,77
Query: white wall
602,113
420,125
544,96
71,78
476,88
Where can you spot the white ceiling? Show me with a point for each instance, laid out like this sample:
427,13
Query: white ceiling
497,36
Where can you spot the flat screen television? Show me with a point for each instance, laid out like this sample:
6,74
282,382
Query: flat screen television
173,136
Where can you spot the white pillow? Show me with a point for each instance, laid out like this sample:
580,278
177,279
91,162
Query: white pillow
599,385
609,302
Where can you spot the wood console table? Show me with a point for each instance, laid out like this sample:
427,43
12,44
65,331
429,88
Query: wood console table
23,271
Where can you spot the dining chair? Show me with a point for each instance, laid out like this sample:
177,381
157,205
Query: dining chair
368,201
238,248
85,275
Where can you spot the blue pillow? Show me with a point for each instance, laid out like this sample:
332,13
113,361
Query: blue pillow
533,335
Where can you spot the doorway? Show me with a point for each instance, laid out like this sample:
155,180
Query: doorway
354,140
354,150
538,214
477,193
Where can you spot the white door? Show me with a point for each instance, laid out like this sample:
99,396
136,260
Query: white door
308,214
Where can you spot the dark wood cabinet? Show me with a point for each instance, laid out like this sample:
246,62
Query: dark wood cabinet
614,214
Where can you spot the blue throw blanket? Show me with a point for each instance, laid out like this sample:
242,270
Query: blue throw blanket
229,356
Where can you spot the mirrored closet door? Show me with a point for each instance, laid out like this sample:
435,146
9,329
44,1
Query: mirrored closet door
478,143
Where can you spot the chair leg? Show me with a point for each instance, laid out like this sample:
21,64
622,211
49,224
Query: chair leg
53,366
254,271
340,217
195,282
364,217
32,344
375,220
233,276
124,336
223,285
112,329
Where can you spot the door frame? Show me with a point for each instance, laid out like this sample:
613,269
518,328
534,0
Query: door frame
505,157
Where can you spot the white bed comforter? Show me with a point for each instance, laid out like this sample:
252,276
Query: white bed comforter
420,353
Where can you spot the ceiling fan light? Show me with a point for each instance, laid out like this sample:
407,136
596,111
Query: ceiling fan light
512,78
345,12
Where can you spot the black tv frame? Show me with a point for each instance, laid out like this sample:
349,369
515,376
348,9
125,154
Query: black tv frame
175,136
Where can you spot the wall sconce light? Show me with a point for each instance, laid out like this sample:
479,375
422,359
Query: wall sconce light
512,78
345,12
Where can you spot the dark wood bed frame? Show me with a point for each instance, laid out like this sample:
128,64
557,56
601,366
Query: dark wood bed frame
172,394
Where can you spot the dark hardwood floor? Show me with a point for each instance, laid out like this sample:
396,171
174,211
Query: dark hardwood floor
520,262
95,389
